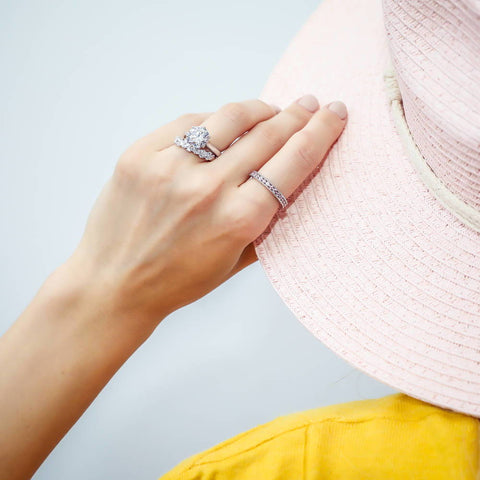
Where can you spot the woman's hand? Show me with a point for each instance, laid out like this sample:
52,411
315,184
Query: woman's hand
166,229
169,227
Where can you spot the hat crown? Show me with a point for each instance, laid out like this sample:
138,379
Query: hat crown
435,52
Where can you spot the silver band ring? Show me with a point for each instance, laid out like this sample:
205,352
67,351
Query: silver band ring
213,149
195,141
264,181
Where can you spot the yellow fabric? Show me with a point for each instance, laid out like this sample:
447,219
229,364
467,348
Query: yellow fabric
388,438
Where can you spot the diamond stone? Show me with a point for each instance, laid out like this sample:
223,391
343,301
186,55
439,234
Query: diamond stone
192,147
198,136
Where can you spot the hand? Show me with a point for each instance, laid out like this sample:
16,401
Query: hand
169,227
166,229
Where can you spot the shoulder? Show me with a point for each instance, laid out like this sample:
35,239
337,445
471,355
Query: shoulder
386,437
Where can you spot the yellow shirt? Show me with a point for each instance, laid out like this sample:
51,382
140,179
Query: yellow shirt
389,438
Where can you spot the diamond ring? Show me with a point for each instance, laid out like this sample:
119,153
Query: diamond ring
196,140
270,186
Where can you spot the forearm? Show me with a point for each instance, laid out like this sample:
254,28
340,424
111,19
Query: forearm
54,361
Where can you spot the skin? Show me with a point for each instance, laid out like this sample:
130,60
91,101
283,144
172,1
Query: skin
166,229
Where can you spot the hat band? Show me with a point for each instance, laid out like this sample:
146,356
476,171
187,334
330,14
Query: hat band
464,212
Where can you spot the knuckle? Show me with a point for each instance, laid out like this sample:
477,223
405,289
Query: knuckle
305,150
127,165
236,111
270,133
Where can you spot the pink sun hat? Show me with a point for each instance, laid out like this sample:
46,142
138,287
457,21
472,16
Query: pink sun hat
378,251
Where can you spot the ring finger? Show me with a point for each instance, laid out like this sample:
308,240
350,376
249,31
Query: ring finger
231,121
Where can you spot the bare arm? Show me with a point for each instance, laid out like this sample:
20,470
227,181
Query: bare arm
55,360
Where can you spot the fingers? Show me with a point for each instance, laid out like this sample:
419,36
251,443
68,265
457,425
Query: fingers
234,119
224,126
300,155
228,123
266,138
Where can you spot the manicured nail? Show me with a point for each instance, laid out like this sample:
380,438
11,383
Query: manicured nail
276,107
339,108
309,102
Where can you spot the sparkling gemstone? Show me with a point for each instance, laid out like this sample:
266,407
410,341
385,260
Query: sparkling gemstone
192,147
198,136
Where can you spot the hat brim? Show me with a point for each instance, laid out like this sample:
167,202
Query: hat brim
364,255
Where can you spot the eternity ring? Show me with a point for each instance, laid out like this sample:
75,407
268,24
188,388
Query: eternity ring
264,181
196,140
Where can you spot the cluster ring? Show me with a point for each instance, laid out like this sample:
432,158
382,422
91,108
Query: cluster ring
196,140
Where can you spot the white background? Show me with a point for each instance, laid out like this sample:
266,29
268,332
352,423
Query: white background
79,82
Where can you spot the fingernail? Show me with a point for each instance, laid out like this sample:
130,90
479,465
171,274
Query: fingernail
309,102
339,108
276,107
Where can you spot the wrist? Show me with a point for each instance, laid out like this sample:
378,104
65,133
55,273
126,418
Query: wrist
55,359
75,293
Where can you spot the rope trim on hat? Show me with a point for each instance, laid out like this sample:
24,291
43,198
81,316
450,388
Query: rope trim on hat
464,212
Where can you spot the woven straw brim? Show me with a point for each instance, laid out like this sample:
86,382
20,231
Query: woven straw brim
365,256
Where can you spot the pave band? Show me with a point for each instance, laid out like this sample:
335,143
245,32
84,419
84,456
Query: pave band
265,182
